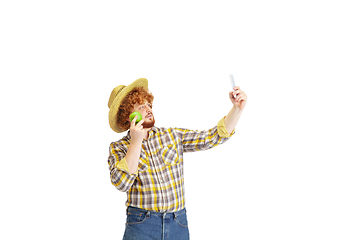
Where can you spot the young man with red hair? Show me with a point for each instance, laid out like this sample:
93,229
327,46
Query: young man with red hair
147,163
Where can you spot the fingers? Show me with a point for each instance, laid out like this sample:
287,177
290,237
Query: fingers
236,93
241,97
140,123
238,97
237,90
231,94
133,122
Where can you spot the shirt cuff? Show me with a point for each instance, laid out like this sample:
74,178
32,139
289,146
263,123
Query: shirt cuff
222,129
122,166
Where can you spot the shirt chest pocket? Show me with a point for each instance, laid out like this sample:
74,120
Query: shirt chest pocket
169,155
143,163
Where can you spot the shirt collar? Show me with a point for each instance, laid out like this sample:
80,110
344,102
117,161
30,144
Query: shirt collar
155,129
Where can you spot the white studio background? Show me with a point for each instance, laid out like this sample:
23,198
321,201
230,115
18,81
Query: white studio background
291,171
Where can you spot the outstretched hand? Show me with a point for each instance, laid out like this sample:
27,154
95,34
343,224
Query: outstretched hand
240,99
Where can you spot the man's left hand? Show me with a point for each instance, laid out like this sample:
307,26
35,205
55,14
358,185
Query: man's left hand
241,98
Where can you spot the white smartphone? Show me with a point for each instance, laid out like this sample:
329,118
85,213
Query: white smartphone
232,82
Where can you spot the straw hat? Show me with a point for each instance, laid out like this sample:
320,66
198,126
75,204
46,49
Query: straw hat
116,98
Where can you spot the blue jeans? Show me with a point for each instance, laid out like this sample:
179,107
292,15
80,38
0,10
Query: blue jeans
145,225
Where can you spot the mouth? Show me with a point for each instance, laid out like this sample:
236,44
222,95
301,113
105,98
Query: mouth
149,116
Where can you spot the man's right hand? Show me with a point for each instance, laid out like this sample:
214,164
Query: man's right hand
137,132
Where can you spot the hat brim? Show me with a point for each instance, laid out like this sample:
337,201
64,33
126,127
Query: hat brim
114,108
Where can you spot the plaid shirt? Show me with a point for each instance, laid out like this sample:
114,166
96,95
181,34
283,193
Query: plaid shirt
158,185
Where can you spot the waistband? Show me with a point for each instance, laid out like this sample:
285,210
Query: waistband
135,210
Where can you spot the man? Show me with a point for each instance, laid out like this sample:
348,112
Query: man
147,163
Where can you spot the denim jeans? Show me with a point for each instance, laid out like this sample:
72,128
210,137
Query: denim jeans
145,225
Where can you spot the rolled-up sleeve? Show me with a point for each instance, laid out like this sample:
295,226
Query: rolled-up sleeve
119,171
203,140
222,129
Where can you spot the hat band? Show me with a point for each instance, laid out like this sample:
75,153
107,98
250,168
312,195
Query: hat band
120,90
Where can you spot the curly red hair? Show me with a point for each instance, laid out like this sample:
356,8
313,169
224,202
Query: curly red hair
137,95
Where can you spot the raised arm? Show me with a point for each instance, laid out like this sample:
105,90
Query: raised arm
238,106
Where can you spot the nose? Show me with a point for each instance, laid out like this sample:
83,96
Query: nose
148,109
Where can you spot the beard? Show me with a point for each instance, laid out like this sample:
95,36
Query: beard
149,124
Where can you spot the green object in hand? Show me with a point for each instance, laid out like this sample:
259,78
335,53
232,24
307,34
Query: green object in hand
132,115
